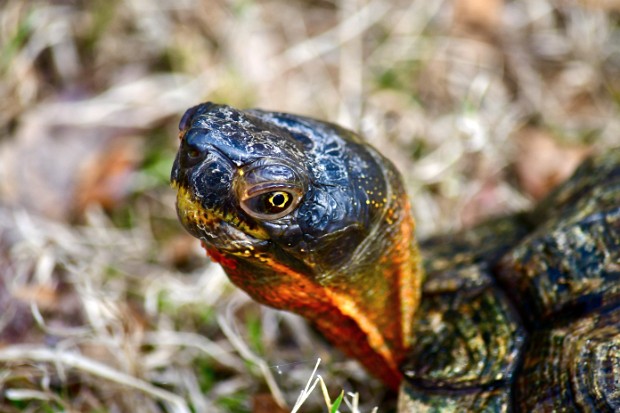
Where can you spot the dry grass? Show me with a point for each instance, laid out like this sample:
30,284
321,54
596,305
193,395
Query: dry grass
115,309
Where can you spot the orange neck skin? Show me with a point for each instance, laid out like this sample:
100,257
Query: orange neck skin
368,315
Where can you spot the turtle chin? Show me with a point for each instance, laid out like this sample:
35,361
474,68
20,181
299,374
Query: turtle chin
228,239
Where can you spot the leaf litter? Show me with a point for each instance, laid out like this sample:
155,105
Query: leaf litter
107,305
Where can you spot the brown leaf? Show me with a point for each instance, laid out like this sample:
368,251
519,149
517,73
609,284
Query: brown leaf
265,403
44,296
543,163
104,179
485,203
607,5
47,163
477,16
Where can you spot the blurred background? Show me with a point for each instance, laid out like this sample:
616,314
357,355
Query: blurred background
106,305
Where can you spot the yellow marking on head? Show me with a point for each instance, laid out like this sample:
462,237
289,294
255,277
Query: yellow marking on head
192,212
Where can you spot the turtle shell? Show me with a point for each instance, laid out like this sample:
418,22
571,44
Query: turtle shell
522,313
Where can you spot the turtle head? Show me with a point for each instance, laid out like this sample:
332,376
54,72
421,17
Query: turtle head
304,216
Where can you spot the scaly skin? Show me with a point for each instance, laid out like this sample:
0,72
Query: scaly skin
518,314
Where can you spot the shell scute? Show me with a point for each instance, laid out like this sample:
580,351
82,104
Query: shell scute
573,368
468,338
557,270
570,265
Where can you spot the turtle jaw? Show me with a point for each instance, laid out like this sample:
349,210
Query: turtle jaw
216,228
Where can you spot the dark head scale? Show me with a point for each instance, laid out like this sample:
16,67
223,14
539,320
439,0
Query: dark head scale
294,209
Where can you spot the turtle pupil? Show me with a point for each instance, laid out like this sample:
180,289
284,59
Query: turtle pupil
278,200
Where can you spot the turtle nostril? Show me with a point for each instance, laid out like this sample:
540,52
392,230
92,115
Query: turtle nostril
194,147
191,154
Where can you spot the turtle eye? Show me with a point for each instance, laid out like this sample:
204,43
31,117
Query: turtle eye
269,188
271,204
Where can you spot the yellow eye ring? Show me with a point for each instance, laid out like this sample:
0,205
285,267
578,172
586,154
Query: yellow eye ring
279,199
